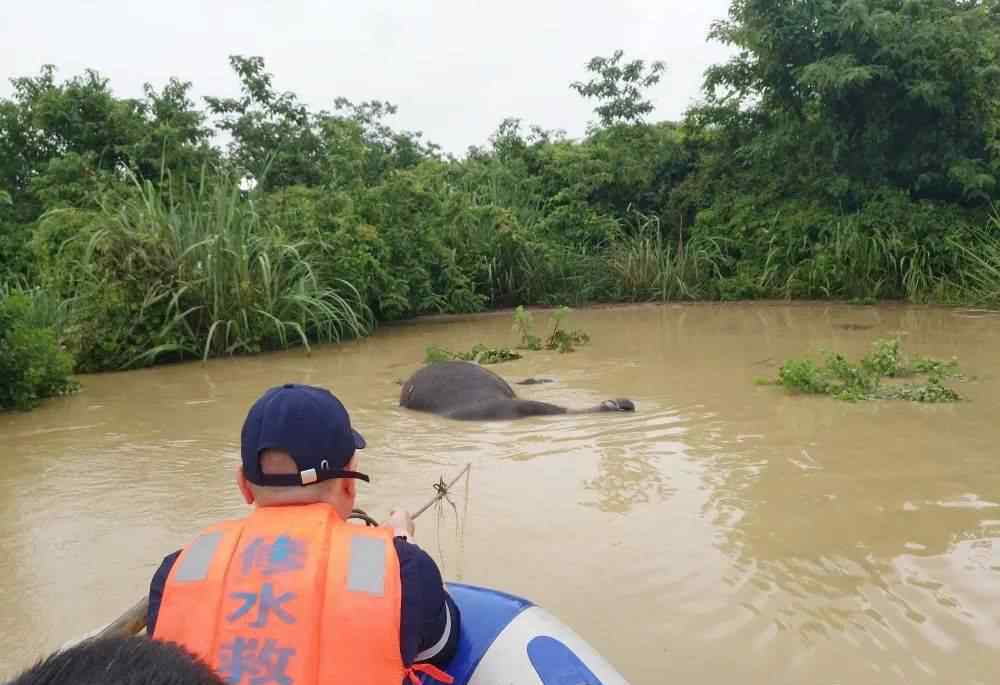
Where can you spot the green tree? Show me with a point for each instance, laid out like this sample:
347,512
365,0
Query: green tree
175,136
894,92
280,142
619,87
273,139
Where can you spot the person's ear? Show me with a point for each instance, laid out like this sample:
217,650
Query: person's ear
244,485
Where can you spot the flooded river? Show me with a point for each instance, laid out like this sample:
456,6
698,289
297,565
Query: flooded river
724,533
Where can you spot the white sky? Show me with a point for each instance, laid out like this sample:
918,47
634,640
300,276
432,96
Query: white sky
455,69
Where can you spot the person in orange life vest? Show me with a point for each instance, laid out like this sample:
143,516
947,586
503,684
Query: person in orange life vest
259,600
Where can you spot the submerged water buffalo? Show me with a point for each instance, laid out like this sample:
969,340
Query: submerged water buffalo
467,391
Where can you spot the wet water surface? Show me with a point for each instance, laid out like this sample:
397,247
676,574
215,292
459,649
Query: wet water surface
724,530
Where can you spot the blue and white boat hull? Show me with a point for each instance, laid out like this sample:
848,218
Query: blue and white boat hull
508,640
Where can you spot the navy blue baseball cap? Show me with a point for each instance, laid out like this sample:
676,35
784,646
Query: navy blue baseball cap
310,424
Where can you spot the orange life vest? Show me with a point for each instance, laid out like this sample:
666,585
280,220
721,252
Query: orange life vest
290,595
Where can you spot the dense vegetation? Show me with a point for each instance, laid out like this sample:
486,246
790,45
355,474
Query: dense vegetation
32,366
849,150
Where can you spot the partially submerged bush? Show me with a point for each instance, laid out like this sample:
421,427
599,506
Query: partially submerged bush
522,325
480,354
865,380
563,340
558,339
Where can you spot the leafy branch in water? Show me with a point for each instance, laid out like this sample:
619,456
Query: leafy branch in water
522,325
559,339
481,354
864,380
562,340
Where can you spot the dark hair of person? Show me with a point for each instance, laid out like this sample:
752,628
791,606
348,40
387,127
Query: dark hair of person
120,661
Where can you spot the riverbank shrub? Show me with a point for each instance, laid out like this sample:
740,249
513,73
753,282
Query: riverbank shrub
33,365
195,273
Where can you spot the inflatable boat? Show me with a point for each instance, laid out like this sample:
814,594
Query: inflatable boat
504,640
507,640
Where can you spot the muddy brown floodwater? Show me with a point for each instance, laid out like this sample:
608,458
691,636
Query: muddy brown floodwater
724,533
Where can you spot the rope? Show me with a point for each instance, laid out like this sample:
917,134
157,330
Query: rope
441,488
134,619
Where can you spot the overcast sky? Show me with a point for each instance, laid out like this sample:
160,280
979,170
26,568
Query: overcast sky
455,69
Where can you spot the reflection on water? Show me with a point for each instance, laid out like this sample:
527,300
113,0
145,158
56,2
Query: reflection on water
724,530
628,473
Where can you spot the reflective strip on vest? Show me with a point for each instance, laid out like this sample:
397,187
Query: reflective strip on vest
366,572
198,558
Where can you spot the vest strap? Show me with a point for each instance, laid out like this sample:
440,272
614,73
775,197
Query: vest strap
432,671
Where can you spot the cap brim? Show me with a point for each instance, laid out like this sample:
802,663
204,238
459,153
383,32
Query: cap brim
359,442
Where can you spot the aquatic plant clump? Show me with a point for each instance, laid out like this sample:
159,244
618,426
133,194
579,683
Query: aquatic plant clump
563,340
522,325
872,377
480,354
559,339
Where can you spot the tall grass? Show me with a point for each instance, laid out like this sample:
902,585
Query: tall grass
42,308
214,279
845,262
502,223
888,260
647,267
980,282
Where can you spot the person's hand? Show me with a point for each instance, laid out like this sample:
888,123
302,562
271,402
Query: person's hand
401,522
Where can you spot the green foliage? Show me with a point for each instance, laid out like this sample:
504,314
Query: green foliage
81,120
887,93
561,339
980,258
933,391
480,354
620,87
522,325
32,364
15,254
279,142
935,368
848,150
558,339
885,360
864,380
803,375
649,267
892,248
198,274
418,269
